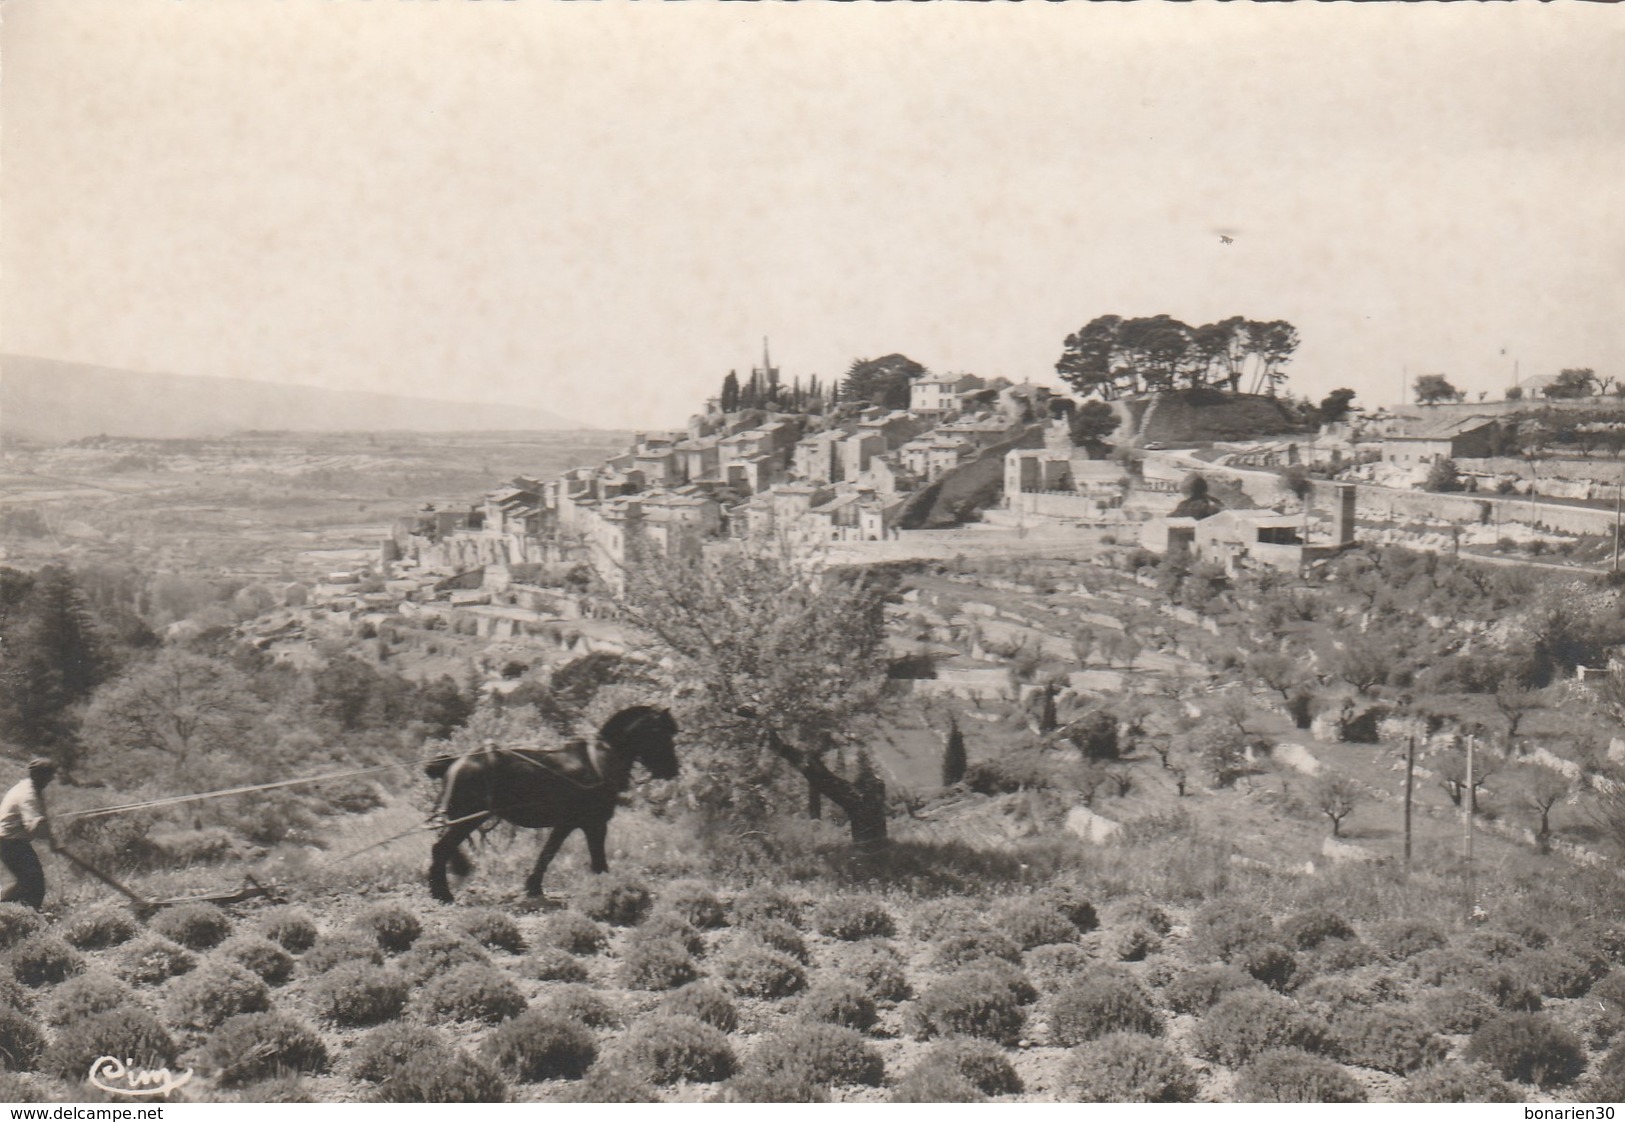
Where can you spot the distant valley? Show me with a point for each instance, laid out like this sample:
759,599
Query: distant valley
51,401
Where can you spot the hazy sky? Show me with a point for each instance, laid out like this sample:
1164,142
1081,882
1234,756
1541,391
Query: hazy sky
601,208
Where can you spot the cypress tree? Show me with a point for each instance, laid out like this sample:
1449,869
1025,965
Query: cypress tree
953,754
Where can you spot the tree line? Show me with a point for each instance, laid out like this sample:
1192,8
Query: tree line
1112,356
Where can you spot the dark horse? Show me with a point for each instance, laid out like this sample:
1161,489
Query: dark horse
573,787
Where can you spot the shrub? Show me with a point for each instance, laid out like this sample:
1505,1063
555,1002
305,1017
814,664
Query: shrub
537,1045
704,1001
1388,1039
1509,990
614,898
1456,1082
259,956
1056,963
493,930
1407,938
1493,944
289,1089
996,974
694,902
853,917
353,994
1128,1067
877,967
439,953
1307,930
967,947
395,928
666,1047
21,1042
668,926
1100,1003
152,960
779,936
840,1001
953,915
1556,972
792,1085
127,1032
550,964
752,970
980,1063
1529,1048
1224,928
1270,963
197,927
1247,1023
1198,989
1142,911
378,1053
442,1077
1336,955
1450,966
827,1053
473,991
97,929
766,902
335,947
608,1085
13,995
17,923
571,931
1610,988
44,960
87,995
1073,905
1032,923
1135,943
964,1004
578,1003
656,964
255,1046
206,997
1457,1010
935,1085
1291,1075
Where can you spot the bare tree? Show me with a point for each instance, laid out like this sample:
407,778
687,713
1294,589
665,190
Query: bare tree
1546,788
1336,796
1451,769
1122,779
1514,704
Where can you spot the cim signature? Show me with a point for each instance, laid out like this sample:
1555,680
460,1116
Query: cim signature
122,1077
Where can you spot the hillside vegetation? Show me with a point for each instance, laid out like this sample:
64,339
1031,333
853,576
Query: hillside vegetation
1212,944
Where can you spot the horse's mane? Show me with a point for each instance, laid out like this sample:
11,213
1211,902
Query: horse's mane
625,721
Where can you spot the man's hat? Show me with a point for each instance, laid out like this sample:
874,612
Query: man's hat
40,763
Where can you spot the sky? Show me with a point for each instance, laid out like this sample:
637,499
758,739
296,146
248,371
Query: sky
600,209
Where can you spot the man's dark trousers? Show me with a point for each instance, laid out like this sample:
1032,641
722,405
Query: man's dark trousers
26,872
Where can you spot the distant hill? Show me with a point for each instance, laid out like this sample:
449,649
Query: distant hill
48,400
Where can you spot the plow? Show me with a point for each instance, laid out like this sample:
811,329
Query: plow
251,888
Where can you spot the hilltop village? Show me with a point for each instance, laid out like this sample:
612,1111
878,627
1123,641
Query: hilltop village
976,467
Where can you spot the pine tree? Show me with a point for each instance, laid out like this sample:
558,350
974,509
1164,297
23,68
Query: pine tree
55,657
730,393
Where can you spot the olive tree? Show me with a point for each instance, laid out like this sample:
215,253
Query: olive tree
778,671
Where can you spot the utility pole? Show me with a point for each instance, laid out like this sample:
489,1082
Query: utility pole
1410,788
1468,799
1619,493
